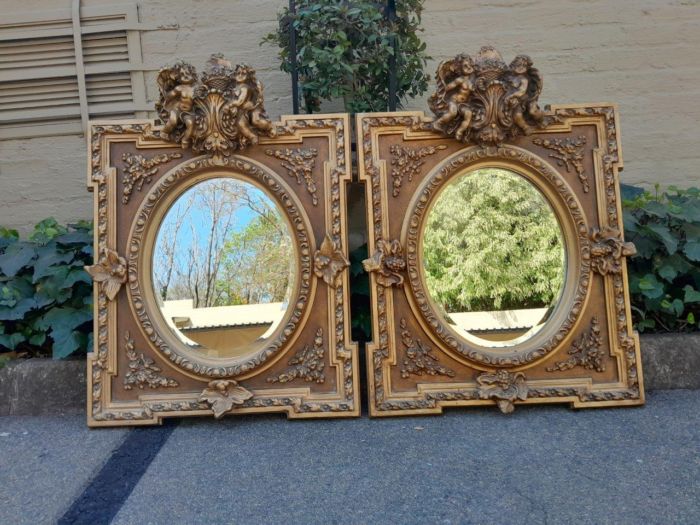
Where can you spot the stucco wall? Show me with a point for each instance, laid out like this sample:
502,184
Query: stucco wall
642,54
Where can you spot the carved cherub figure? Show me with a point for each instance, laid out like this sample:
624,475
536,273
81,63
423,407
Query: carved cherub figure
246,107
452,95
177,87
524,86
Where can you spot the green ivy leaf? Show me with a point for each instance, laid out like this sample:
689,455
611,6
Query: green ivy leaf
651,287
691,294
692,250
15,258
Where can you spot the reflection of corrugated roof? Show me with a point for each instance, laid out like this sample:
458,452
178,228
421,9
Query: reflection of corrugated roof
498,320
183,314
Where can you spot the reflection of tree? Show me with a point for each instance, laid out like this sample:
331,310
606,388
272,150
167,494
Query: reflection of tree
492,242
223,242
257,263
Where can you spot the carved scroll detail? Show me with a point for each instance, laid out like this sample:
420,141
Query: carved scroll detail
142,370
569,153
388,262
219,112
481,99
138,170
420,359
110,272
608,249
299,164
503,386
223,394
329,262
307,364
586,351
406,162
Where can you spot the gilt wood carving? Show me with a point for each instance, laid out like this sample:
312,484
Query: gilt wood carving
215,125
487,114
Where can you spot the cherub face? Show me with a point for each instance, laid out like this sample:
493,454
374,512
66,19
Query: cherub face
520,68
185,76
467,67
241,76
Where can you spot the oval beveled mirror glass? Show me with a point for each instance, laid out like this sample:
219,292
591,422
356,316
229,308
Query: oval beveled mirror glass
223,267
493,257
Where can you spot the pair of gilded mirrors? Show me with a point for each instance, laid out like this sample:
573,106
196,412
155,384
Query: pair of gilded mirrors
496,252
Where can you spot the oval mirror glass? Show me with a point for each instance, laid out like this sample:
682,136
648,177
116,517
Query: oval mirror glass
493,257
223,267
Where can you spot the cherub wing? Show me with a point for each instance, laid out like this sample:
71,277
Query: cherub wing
534,86
445,73
166,80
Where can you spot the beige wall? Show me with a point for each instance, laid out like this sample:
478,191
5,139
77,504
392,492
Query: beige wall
642,54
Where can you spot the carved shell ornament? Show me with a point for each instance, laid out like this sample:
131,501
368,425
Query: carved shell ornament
388,262
217,112
329,262
223,394
481,99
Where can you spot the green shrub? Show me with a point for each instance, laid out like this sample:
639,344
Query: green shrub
45,294
664,276
344,49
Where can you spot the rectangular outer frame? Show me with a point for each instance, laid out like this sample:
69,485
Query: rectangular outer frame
413,366
132,379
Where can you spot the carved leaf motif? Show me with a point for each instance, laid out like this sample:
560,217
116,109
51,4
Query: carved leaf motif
587,351
329,262
138,170
420,359
484,100
142,370
307,364
299,164
110,272
608,249
504,387
406,162
387,261
223,394
569,153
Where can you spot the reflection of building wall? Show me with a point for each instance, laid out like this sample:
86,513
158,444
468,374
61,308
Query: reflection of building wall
226,341
639,54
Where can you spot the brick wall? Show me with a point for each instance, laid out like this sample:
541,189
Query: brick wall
642,54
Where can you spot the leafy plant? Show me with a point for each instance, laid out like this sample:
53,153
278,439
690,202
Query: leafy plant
664,276
45,295
360,311
344,50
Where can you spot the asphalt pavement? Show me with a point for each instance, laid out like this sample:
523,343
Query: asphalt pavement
542,464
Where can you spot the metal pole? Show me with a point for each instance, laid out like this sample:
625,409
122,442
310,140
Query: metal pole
293,56
391,16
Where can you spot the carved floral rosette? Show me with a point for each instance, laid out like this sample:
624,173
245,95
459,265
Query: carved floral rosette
139,372
587,354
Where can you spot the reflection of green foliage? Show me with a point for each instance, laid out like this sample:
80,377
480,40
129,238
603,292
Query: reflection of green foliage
257,263
492,242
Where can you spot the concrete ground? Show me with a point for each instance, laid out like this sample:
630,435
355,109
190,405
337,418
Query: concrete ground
538,465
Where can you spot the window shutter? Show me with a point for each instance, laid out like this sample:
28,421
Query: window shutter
49,85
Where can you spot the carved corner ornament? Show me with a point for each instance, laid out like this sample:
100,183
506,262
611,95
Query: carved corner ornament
608,249
587,351
222,394
406,162
142,370
138,170
387,262
307,364
420,359
329,262
110,272
504,387
483,100
299,163
568,153
217,112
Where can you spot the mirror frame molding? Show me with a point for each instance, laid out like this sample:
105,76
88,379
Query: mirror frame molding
586,355
134,376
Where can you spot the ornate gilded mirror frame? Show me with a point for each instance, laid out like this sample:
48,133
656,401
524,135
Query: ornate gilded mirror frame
215,126
487,116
